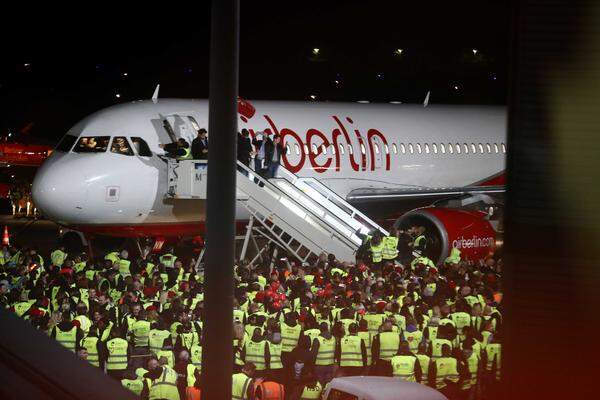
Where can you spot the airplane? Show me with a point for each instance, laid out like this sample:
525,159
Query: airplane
108,175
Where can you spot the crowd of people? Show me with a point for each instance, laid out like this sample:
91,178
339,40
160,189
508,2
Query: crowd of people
140,319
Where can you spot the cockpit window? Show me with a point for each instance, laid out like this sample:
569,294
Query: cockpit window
92,144
120,145
66,143
141,147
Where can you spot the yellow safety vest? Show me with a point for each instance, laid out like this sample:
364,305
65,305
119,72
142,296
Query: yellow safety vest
196,355
473,365
374,321
446,369
191,377
460,319
351,352
165,387
112,256
188,339
22,307
275,351
390,248
367,337
312,393
289,336
58,257
124,267
91,345
494,351
80,266
420,239
67,338
312,334
388,345
377,251
239,386
168,354
141,331
168,260
436,347
187,155
84,323
326,353
413,339
156,338
117,354
424,361
255,352
134,385
403,367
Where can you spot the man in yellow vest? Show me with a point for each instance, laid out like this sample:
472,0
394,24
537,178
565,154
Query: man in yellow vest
117,354
324,347
160,382
472,360
445,372
385,345
290,334
256,351
390,246
124,264
67,332
141,331
242,386
405,365
58,256
351,353
492,356
132,382
376,247
276,371
312,390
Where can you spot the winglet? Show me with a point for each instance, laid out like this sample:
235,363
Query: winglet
155,95
426,102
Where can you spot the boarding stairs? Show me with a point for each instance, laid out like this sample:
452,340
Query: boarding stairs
298,214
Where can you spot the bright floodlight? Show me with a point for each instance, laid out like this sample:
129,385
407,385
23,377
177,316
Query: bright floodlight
474,51
117,95
455,87
316,51
125,74
313,97
398,52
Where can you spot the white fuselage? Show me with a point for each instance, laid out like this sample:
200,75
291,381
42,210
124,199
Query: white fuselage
351,148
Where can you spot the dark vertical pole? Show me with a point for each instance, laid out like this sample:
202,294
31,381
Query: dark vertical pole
220,211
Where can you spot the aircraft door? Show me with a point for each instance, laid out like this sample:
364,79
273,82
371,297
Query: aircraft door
182,126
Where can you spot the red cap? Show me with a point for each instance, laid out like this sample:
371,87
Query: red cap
380,305
76,323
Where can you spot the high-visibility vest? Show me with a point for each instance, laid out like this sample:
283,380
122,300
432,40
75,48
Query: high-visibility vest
191,377
351,352
196,355
446,368
124,267
424,362
473,365
436,347
58,257
289,336
117,354
312,334
390,247
310,393
80,266
168,260
112,256
165,387
187,155
403,367
275,352
89,274
67,338
134,385
156,338
374,321
367,337
168,354
377,251
240,315
141,331
255,352
22,307
421,240
494,352
422,260
91,345
388,345
188,339
326,353
460,319
239,386
432,332
84,323
413,339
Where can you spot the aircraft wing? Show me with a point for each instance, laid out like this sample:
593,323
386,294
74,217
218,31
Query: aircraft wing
374,194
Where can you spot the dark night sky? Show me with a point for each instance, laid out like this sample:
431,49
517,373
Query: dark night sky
77,56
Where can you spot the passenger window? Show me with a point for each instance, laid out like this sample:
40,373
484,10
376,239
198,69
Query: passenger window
297,149
141,147
66,143
363,150
120,145
376,149
457,148
350,149
466,147
333,149
410,148
488,147
426,148
394,148
480,148
314,148
402,148
386,149
443,148
503,148
450,148
305,149
434,146
341,149
418,148
287,149
496,148
323,149
473,149
92,144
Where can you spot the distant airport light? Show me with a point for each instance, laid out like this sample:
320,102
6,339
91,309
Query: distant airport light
493,77
9,134
125,74
474,51
316,51
379,76
27,65
313,97
118,96
337,82
363,101
395,102
398,52
455,87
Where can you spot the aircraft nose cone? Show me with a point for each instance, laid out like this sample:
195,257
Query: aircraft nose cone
59,191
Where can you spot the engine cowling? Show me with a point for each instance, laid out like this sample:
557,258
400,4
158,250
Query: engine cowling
467,230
